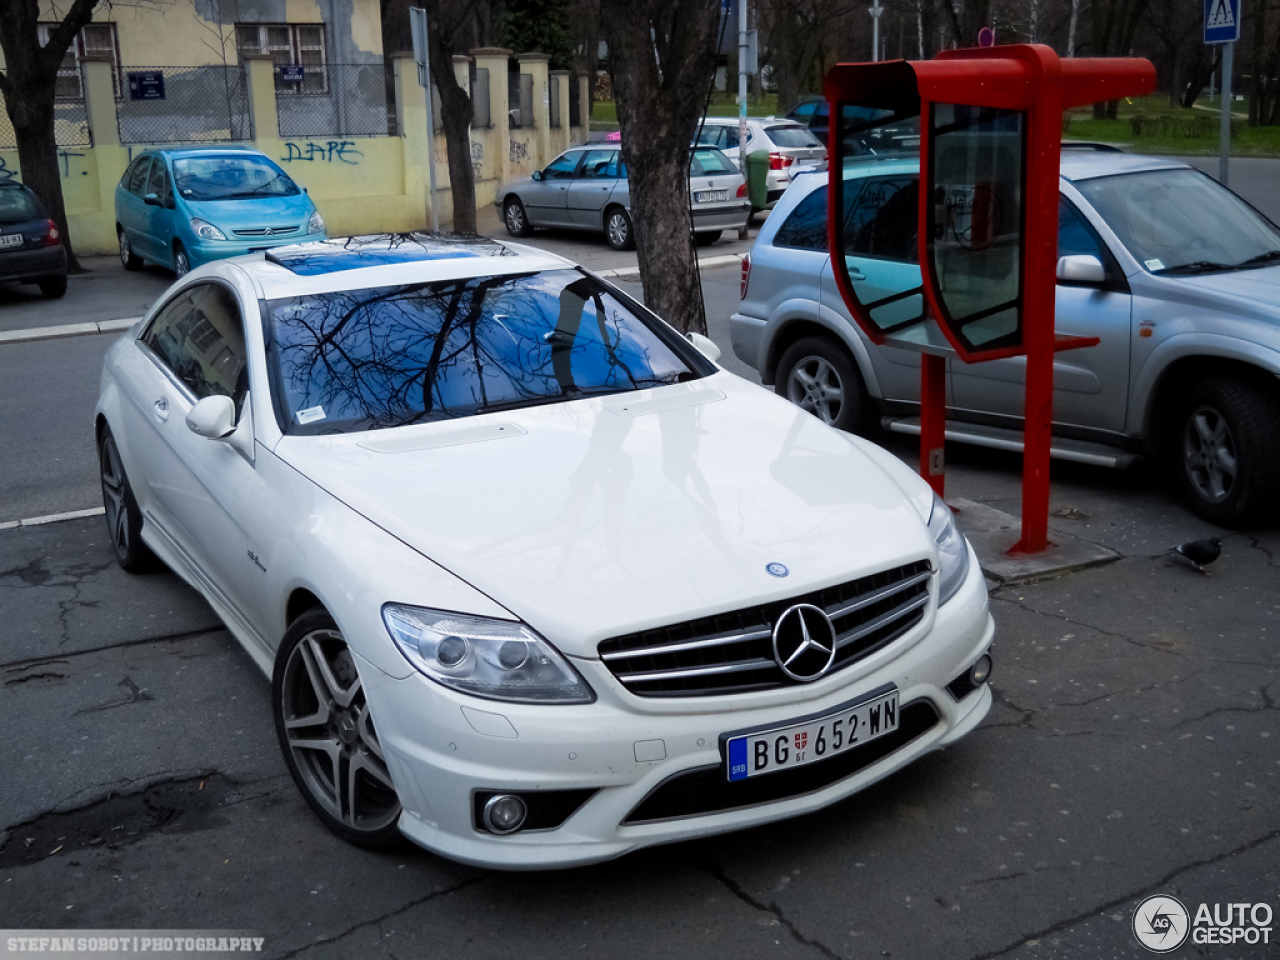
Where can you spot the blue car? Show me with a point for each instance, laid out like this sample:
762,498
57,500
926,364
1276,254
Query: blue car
185,206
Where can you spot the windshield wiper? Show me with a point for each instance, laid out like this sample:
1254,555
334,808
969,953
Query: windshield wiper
1271,256
1196,266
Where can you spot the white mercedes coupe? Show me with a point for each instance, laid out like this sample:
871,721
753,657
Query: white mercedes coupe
535,581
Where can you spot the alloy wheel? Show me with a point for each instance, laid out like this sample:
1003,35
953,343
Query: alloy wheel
814,385
1209,454
114,500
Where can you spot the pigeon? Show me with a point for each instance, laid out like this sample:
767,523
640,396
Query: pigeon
1200,553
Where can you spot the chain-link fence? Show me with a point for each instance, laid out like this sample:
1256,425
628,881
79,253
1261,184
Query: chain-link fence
333,100
70,126
184,105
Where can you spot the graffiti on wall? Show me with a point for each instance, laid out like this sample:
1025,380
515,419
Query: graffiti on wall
64,166
331,151
477,158
519,152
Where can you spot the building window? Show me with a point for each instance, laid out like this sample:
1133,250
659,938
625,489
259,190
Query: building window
96,39
289,44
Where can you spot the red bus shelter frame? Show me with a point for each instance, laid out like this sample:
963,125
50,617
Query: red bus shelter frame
1031,79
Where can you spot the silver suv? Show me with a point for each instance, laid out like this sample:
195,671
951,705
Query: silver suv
1177,276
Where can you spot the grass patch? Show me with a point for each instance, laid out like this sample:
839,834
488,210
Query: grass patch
1151,125
604,113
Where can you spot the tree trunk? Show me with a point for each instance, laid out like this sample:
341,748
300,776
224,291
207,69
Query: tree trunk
455,118
659,102
28,84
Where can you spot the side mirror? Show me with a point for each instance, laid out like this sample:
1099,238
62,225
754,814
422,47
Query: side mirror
153,200
705,346
1082,268
536,175
213,417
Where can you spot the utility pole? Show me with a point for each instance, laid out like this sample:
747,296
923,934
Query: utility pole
742,97
875,12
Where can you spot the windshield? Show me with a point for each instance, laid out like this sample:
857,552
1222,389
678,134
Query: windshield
353,360
230,178
1183,222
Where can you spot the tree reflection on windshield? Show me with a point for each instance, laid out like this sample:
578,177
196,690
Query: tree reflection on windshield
365,359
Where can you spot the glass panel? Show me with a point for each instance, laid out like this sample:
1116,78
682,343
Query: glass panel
561,168
200,337
354,360
600,164
975,222
791,135
1074,237
138,175
228,177
710,163
248,38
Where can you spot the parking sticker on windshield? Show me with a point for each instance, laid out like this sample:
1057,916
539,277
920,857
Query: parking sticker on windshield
1154,264
310,415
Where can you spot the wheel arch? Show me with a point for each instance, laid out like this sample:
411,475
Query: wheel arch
300,601
789,329
1166,396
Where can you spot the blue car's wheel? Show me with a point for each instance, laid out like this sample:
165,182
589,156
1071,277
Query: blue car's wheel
128,258
181,265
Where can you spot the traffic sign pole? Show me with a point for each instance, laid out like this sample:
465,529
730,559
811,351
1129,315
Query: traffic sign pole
1224,129
1222,25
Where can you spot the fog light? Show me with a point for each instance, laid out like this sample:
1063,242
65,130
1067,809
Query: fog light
504,813
980,671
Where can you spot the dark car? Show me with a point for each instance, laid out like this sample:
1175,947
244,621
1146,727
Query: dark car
31,248
878,139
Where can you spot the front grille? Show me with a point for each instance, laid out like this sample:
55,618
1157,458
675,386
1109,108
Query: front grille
706,790
733,652
267,231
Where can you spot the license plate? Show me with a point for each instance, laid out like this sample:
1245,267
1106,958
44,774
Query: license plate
11,240
819,738
710,196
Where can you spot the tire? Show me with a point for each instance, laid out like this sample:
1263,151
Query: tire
327,736
617,229
181,263
129,259
514,216
708,238
124,519
51,288
1227,452
817,374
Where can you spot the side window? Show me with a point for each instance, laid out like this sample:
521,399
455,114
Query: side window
804,112
599,165
882,219
806,228
562,167
1074,236
199,336
138,176
730,141
158,183
709,135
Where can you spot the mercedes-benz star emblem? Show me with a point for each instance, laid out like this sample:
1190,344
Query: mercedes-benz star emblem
804,642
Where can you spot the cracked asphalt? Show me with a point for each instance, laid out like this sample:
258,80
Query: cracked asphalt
1133,749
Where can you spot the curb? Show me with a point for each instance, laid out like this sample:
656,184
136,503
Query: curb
124,323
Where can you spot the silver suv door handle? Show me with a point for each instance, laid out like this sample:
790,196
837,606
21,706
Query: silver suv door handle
161,409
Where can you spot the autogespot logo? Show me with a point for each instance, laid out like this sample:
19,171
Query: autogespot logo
1161,924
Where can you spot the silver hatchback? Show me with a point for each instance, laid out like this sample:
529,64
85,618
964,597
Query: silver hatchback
1177,276
586,188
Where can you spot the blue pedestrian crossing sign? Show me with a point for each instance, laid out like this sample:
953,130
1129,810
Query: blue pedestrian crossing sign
1221,21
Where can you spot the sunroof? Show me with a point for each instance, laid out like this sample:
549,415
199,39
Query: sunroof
353,253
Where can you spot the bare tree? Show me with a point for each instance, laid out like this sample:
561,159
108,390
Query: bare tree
662,58
28,84
452,27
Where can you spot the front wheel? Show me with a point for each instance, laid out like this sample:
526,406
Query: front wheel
818,375
181,265
517,221
1228,448
617,227
124,519
327,734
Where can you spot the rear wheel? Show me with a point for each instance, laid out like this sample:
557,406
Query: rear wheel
1228,450
707,238
514,216
617,227
327,734
128,258
51,288
818,375
124,519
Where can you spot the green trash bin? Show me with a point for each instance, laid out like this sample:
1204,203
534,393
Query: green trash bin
758,179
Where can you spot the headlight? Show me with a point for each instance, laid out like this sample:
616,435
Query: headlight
497,659
206,230
316,223
953,551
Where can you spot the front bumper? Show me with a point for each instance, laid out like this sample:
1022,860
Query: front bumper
200,252
442,748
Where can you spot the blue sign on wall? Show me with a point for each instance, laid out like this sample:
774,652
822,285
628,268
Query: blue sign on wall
292,72
147,85
1221,21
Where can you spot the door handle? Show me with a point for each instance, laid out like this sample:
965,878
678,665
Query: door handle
161,409
855,274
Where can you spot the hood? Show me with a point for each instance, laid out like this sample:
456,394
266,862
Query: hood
607,515
253,212
1260,286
